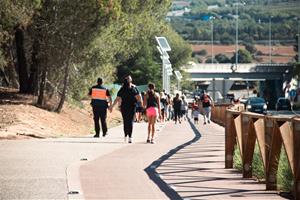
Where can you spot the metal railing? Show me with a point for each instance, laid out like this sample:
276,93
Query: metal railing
271,133
242,68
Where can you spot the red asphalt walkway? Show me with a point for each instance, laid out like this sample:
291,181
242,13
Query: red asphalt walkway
186,162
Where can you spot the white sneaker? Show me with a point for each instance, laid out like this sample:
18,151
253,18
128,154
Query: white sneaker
129,140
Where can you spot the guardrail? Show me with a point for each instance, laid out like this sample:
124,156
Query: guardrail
270,132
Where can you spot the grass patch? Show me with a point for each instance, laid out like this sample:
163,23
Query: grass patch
284,174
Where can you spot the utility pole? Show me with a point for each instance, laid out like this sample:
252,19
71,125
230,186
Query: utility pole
237,34
270,39
212,39
297,37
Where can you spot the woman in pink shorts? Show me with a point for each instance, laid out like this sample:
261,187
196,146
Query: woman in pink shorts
151,103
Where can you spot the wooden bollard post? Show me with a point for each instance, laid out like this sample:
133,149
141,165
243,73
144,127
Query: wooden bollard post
229,140
296,139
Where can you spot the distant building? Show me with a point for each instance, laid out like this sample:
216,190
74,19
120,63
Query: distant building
212,7
180,4
178,13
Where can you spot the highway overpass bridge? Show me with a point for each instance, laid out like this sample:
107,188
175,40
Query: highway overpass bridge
251,71
221,76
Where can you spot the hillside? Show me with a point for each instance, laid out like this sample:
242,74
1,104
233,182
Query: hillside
280,53
255,20
21,119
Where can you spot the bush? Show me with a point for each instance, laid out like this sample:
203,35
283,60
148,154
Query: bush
209,60
251,48
259,53
222,58
202,52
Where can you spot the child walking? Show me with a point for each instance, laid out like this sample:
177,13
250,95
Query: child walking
195,114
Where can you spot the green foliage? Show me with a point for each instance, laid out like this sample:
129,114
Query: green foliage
181,51
250,47
226,39
210,60
284,174
143,62
202,52
253,21
244,56
91,38
186,84
221,58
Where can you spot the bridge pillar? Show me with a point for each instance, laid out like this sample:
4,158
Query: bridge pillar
272,90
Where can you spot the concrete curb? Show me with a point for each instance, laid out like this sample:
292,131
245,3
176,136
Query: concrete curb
73,181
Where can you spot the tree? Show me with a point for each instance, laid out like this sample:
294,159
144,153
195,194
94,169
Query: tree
144,62
63,46
69,26
202,52
222,58
15,18
209,60
226,39
251,48
244,56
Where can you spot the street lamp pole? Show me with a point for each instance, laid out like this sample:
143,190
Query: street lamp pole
163,76
212,39
163,48
298,35
237,34
270,39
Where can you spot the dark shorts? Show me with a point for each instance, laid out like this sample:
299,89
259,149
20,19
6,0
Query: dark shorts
139,109
195,118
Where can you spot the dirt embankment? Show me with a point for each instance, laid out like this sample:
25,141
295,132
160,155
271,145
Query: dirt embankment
19,118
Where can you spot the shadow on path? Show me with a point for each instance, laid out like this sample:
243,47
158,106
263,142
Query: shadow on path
156,178
195,170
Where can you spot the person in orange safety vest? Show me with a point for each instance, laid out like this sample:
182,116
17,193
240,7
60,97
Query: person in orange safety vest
100,100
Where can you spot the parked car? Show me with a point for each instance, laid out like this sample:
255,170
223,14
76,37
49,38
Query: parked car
283,104
256,104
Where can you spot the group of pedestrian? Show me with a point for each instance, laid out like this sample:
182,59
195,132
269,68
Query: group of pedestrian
155,106
206,103
129,100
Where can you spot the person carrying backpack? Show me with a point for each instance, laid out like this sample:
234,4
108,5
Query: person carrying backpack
207,103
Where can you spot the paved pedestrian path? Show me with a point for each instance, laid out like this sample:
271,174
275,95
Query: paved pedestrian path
187,162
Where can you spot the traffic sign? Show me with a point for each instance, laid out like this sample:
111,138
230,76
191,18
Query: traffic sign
292,93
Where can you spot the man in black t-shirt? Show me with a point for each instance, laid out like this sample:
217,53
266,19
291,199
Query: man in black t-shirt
128,96
176,106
